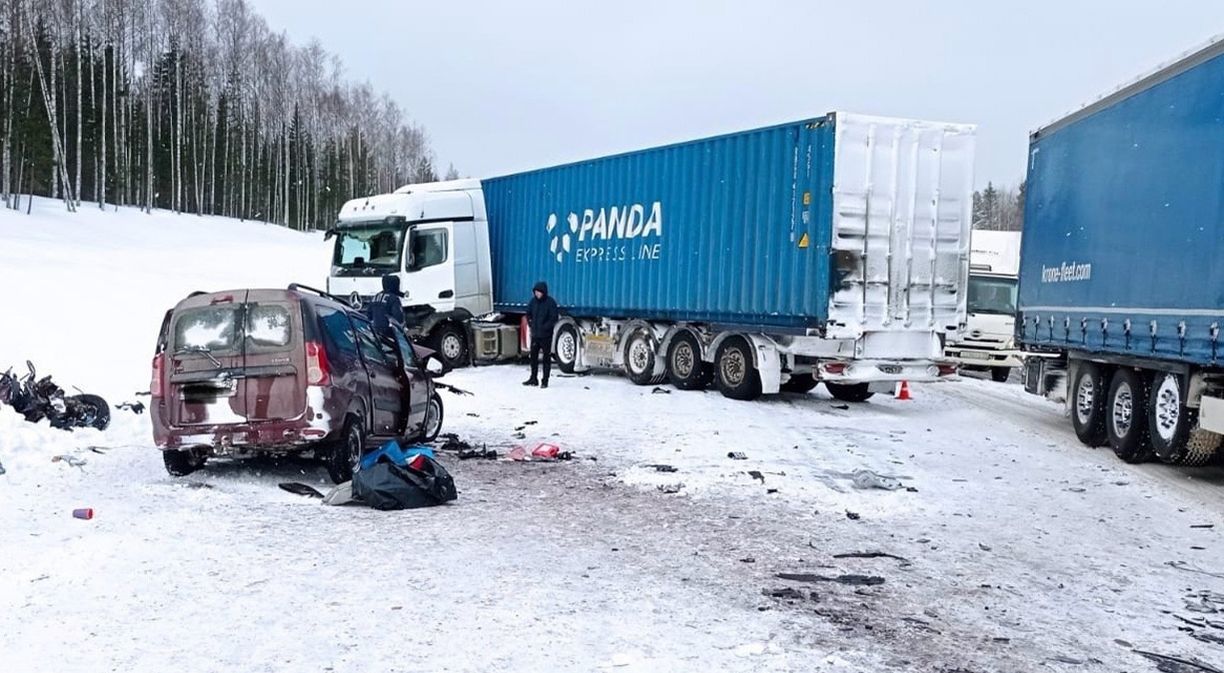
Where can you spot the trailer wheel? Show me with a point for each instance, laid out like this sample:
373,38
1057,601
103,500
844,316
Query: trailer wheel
1126,417
800,384
685,368
566,349
735,370
1088,404
1169,420
1201,447
450,341
640,358
850,392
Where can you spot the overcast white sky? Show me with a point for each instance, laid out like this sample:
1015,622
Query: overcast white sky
514,85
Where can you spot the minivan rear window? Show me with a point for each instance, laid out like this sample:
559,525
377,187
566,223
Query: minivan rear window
268,324
214,328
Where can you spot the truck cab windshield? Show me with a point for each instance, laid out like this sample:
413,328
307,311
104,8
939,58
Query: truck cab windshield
369,251
992,295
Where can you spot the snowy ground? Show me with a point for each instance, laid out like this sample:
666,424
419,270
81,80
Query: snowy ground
1023,551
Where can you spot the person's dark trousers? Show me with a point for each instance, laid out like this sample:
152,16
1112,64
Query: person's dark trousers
541,348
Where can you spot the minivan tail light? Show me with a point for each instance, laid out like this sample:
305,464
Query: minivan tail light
155,385
318,370
834,368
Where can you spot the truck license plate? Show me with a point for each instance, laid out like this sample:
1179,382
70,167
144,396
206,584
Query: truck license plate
970,355
890,369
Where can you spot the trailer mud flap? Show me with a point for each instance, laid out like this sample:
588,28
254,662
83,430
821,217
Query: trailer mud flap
768,362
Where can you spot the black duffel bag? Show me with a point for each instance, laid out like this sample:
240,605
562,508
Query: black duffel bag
387,486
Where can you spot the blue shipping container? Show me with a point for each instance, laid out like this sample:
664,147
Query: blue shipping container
1124,220
752,228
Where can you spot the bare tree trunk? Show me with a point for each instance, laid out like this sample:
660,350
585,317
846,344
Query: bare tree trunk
148,40
80,157
61,172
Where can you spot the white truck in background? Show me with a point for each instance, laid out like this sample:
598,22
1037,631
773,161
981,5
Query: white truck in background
988,342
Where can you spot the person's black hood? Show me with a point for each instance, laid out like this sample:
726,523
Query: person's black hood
539,287
391,285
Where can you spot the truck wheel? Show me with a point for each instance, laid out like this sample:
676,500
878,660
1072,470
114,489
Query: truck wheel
182,462
1088,404
1126,417
685,368
1201,447
434,413
566,348
850,392
640,358
343,454
450,341
800,383
1169,420
1000,374
735,371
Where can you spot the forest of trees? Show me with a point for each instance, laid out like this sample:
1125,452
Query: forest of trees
999,209
190,105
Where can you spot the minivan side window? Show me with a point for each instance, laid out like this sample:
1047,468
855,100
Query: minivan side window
338,329
368,343
428,248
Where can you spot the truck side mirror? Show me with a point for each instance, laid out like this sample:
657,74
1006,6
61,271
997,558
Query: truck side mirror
329,234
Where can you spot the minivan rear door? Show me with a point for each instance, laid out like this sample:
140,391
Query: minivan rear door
273,380
205,360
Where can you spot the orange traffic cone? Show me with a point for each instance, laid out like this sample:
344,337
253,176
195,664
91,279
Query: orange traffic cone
903,392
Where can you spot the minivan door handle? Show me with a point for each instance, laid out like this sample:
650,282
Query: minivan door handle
446,294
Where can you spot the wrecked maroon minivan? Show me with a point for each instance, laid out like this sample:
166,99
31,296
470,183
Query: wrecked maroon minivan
245,372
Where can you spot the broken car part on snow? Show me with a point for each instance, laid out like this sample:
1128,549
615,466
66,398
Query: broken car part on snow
36,399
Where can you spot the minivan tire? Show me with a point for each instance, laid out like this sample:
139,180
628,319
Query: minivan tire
429,434
181,462
344,453
450,341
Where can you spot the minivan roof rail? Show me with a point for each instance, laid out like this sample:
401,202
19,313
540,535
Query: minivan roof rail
306,288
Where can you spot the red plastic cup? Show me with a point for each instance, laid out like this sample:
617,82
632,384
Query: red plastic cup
83,513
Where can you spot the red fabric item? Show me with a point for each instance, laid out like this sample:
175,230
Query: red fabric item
546,451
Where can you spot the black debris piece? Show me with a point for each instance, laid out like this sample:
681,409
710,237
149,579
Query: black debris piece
748,560
852,580
770,491
983,547
843,407
659,390
788,593
530,422
298,488
670,488
853,516
1203,525
659,467
737,455
756,474
473,414
136,407
1170,664
482,453
874,554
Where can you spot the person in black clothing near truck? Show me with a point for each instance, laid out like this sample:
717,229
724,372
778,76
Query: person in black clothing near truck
542,315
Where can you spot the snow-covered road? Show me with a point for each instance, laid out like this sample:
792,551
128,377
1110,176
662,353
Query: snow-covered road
1019,549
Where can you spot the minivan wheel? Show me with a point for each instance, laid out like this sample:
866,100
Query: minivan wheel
182,462
345,452
449,340
433,419
1126,418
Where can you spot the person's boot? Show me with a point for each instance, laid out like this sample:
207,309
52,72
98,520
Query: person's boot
533,382
544,383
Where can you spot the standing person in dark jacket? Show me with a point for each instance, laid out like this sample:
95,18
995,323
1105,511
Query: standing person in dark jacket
542,317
